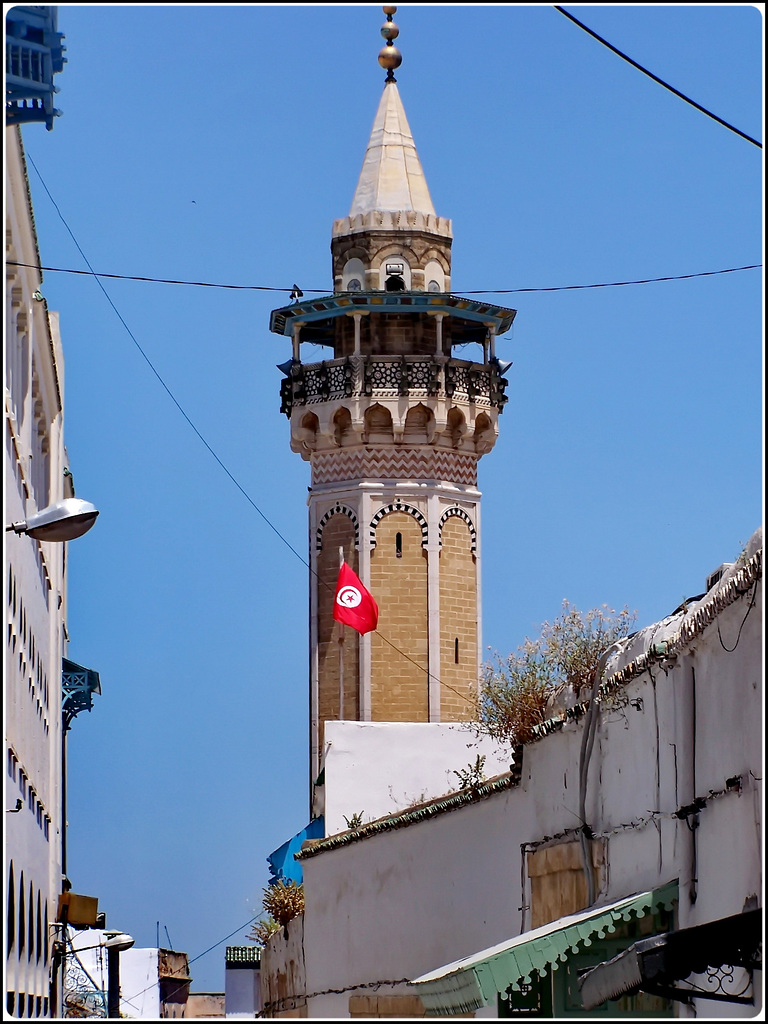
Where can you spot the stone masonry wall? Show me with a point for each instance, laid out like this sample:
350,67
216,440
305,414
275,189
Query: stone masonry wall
399,688
458,622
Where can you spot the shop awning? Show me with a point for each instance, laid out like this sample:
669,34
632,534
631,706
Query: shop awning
468,984
654,964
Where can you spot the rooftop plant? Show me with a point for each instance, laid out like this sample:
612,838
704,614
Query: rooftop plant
517,692
281,901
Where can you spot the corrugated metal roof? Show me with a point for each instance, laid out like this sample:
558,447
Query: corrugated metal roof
322,310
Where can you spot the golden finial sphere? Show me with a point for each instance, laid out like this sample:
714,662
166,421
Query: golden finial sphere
389,9
389,30
390,58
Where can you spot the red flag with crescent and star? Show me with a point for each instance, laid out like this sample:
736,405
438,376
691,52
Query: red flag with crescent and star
354,605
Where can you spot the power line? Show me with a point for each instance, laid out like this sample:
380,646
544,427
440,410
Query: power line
656,78
200,436
152,280
616,284
192,960
324,291
165,387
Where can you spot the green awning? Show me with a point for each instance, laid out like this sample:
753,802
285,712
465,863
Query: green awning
468,984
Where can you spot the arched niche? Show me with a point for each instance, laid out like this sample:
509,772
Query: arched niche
459,513
401,507
339,509
342,427
306,431
483,436
434,277
353,275
378,425
419,425
457,426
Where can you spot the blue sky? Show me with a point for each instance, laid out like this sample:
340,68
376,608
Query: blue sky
218,144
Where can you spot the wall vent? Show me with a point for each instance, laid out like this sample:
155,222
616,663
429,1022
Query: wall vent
717,575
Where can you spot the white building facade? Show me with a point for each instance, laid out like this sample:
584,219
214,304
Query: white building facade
35,476
435,910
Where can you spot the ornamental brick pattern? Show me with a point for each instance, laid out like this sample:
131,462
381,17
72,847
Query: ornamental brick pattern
399,506
462,514
338,509
394,463
399,686
458,621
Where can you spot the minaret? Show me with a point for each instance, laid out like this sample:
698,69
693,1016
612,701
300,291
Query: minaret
393,426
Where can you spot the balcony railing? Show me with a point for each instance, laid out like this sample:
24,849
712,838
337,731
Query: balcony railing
34,53
392,377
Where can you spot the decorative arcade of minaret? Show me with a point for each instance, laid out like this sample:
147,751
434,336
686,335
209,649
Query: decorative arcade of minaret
393,427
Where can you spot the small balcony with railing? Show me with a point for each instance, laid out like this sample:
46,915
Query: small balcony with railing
420,378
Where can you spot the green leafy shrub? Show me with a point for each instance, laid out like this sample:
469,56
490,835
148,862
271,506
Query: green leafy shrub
473,775
263,931
517,691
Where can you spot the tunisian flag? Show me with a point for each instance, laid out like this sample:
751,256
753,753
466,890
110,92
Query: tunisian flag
354,605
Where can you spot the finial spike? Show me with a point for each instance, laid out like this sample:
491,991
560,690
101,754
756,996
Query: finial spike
390,57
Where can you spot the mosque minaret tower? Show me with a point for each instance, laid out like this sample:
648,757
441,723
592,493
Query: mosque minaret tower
393,427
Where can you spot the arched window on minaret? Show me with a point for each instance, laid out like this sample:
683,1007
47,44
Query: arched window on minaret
353,275
395,274
434,275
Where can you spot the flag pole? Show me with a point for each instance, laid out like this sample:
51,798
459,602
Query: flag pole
341,653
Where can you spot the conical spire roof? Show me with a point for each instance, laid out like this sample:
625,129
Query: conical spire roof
392,178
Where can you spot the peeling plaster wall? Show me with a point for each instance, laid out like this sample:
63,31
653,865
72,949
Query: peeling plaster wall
417,896
283,981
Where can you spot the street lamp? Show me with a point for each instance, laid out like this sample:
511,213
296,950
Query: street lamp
62,521
115,944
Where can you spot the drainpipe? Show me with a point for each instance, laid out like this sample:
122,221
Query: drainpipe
689,809
587,744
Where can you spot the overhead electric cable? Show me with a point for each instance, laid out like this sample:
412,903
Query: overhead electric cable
154,280
656,78
614,284
324,291
165,387
202,439
194,958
